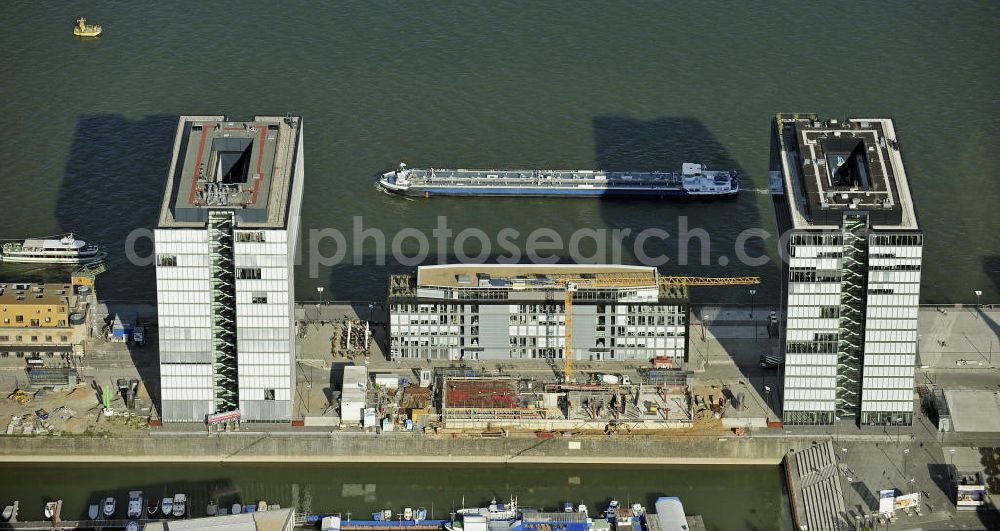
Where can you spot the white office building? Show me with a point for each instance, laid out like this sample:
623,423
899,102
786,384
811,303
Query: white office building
516,312
853,272
225,246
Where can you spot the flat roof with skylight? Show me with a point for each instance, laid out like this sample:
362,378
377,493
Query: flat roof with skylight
835,167
245,166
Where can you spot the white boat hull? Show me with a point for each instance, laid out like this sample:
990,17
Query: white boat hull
15,259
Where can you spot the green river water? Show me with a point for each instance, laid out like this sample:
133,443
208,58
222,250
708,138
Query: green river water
642,85
727,497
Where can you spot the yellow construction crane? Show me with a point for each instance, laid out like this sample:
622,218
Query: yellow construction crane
616,280
568,348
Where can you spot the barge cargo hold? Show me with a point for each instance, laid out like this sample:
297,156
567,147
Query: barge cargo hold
694,180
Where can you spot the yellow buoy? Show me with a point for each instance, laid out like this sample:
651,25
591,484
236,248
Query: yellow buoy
82,29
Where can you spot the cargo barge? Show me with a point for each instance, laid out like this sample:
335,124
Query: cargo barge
694,180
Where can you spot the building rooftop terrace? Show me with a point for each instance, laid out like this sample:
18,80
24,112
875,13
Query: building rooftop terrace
835,167
244,166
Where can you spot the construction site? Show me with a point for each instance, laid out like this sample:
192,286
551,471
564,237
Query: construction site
476,401
528,405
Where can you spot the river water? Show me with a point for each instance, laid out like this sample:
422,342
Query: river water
728,498
499,84
639,85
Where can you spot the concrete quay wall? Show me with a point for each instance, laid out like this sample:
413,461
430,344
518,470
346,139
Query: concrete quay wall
428,449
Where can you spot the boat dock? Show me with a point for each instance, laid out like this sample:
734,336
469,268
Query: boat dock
694,522
47,525
813,488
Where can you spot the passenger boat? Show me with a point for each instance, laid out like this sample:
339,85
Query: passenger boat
167,505
180,505
65,250
152,505
694,180
82,29
109,507
134,504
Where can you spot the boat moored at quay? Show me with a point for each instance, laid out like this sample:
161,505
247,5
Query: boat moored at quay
66,249
694,180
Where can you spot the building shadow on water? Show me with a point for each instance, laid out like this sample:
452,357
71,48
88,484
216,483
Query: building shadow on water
113,184
665,143
991,266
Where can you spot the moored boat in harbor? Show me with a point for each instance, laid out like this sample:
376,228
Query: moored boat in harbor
52,510
495,511
167,505
152,505
180,505
108,507
694,180
134,504
66,249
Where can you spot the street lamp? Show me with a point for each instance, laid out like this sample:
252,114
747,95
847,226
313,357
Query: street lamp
951,461
319,290
979,294
752,293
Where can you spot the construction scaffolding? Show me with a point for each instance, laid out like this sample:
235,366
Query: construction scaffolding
352,337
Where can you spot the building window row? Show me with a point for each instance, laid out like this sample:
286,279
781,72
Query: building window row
251,236
896,239
809,238
248,273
